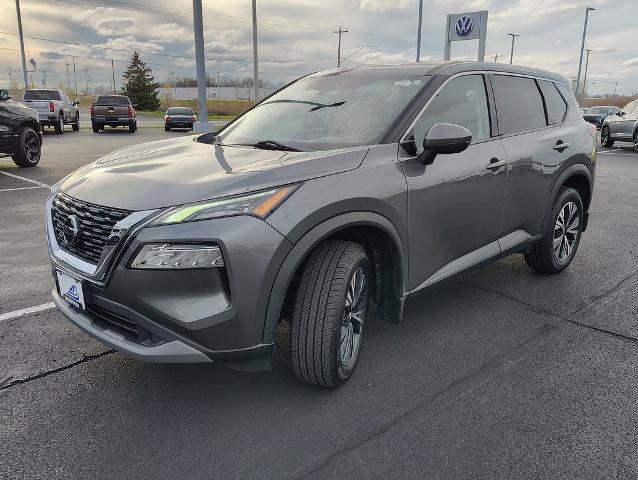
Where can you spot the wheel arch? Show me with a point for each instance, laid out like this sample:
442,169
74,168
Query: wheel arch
382,242
578,177
30,122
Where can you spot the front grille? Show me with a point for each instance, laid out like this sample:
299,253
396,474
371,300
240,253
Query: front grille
94,223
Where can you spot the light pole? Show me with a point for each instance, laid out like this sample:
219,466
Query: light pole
418,36
202,124
582,47
513,35
585,76
255,60
24,59
340,32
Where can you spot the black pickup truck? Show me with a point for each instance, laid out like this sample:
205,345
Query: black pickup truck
20,132
114,111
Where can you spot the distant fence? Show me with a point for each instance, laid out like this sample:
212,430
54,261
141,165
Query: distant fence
213,93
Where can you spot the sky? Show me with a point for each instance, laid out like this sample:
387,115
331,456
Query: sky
296,37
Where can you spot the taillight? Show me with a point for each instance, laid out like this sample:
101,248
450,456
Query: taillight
592,129
130,111
51,107
92,109
193,118
168,119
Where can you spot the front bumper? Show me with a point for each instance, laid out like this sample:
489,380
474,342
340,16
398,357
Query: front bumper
186,315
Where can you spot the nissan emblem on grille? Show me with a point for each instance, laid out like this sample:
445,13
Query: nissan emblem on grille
71,230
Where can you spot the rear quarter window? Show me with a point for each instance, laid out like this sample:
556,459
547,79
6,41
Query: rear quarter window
519,104
554,102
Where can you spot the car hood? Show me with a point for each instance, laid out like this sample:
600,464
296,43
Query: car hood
177,171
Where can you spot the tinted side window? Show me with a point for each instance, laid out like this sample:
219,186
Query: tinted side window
554,102
462,101
519,105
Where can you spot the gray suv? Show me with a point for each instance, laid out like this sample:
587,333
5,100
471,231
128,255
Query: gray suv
621,127
345,187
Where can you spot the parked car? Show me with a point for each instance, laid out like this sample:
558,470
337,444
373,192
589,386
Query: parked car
597,115
622,127
347,185
114,111
179,117
54,108
20,132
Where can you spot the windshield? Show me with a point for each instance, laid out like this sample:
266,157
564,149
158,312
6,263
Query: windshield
42,95
326,112
112,100
599,110
179,111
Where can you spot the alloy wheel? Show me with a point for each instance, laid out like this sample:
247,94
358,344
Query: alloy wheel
566,231
353,317
604,134
31,146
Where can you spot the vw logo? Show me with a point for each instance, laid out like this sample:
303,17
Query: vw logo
71,231
464,26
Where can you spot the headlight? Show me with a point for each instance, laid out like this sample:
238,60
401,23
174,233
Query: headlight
166,256
258,204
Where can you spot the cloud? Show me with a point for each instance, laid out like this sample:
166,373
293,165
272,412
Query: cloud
106,21
383,58
130,43
167,32
383,5
632,62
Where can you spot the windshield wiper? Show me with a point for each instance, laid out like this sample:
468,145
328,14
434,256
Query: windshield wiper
318,107
274,145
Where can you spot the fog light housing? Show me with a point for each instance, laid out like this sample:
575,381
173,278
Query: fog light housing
166,256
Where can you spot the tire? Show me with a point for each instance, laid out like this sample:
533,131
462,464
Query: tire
605,137
29,148
132,128
59,126
557,248
95,127
636,140
167,128
76,123
325,334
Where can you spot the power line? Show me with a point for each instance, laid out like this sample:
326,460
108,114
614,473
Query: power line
98,47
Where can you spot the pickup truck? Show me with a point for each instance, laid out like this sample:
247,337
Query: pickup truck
114,111
54,108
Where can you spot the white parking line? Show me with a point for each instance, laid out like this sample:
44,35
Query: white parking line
616,152
21,188
25,179
26,311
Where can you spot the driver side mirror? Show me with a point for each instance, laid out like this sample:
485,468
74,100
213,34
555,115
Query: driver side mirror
4,95
444,138
620,114
76,102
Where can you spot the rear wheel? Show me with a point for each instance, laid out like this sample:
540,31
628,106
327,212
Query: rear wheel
636,140
605,137
29,148
76,122
59,125
95,127
557,248
329,313
132,127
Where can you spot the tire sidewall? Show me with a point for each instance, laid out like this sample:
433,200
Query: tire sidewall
345,371
21,156
608,142
567,195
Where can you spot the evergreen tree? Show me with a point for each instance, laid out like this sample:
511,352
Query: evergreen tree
139,85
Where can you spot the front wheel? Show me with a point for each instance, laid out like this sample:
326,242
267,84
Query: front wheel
605,137
636,140
555,251
29,148
76,122
330,313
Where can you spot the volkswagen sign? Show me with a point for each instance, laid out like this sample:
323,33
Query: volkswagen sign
464,26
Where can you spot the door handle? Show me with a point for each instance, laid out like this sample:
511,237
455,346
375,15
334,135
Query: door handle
495,164
560,146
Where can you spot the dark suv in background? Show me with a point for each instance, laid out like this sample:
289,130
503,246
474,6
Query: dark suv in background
622,127
349,185
20,132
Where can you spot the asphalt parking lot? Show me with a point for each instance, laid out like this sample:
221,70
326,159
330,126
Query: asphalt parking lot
502,373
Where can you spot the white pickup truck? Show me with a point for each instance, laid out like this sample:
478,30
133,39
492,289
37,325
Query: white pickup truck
54,108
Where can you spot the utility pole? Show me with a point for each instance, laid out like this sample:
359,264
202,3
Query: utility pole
585,76
418,35
513,35
68,76
340,32
10,78
200,62
582,47
113,72
24,59
86,76
219,88
255,60
495,57
75,78
44,78
615,84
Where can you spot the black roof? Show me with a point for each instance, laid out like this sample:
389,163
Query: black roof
444,69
